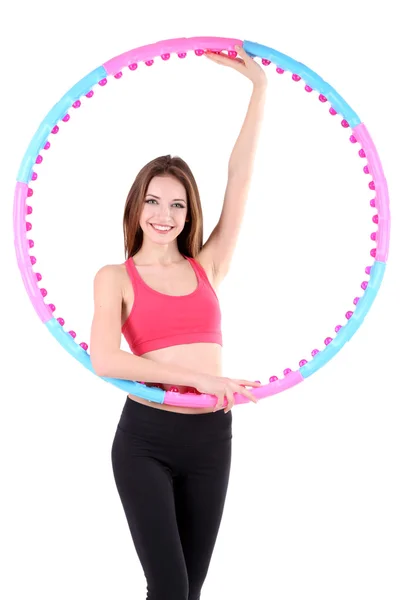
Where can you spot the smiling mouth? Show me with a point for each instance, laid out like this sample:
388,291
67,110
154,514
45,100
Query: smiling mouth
167,228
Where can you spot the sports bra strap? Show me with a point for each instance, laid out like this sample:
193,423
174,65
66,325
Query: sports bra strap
198,268
133,275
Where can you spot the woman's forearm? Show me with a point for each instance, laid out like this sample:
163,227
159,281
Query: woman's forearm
243,154
125,365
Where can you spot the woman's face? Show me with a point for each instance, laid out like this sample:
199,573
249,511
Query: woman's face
165,204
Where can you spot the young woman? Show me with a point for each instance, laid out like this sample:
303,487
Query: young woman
172,464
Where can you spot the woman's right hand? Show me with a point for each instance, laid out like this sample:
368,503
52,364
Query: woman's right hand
224,387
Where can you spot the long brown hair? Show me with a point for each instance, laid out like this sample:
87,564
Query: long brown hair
190,240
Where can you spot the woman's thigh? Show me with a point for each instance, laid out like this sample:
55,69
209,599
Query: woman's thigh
199,499
146,491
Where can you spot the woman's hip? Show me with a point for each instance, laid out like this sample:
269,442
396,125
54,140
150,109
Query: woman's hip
180,441
173,428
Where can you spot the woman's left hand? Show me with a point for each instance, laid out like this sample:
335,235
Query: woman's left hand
244,64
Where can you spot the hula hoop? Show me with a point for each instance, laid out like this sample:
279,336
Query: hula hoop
181,46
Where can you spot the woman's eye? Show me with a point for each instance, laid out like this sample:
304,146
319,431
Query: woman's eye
176,204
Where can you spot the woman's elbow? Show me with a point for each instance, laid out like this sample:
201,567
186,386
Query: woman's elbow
99,364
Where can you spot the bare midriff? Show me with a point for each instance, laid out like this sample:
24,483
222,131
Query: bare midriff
199,357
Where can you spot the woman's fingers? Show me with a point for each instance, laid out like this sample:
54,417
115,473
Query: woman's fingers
229,394
231,401
251,397
220,403
248,394
248,383
223,58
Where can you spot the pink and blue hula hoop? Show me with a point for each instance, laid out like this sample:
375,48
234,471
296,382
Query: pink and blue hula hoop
59,115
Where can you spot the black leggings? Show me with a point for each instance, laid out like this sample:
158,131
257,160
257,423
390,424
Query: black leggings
172,473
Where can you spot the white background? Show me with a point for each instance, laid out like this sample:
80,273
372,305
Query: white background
312,507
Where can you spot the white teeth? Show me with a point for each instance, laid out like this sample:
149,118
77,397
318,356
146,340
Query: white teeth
161,228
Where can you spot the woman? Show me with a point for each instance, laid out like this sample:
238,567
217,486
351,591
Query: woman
171,464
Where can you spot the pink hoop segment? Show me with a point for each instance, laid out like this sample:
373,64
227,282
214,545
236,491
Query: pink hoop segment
381,191
179,45
201,400
23,258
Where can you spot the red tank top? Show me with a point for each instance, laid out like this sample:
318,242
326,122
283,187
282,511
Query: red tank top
160,320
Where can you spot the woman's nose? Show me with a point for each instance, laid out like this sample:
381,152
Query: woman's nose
163,212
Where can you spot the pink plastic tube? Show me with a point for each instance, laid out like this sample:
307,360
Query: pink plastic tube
201,400
381,191
144,53
23,258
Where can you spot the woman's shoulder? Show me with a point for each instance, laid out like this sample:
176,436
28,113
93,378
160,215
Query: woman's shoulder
111,270
111,274
112,281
